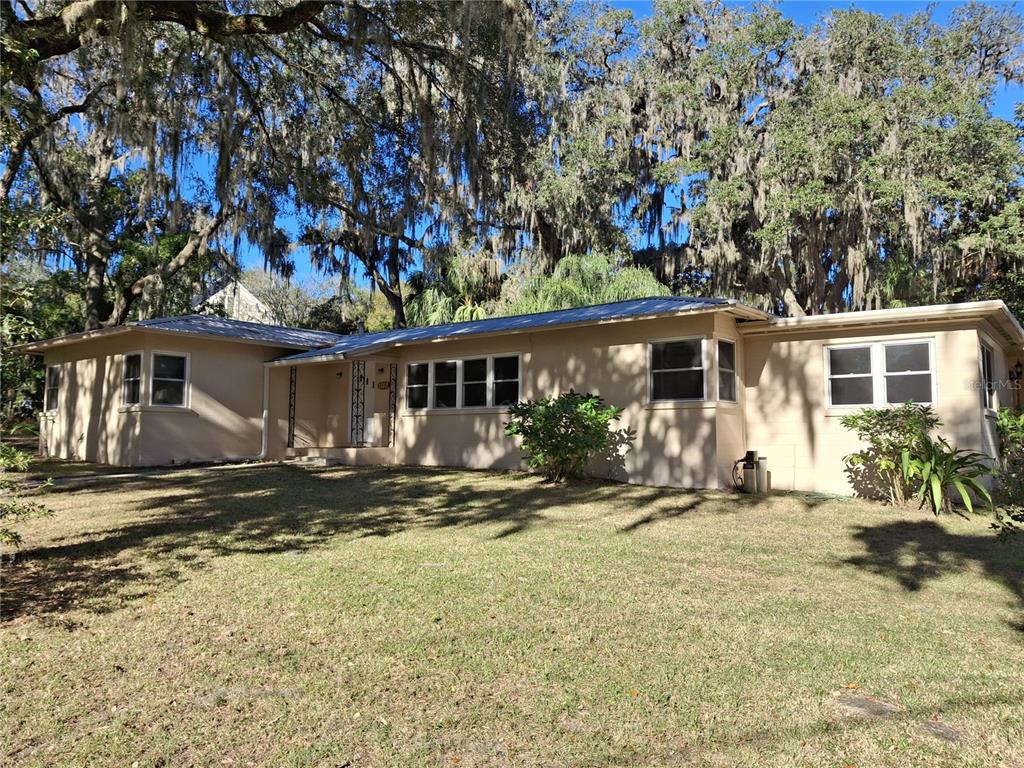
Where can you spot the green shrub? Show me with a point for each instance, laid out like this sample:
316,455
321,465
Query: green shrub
562,434
1010,495
940,469
13,506
887,432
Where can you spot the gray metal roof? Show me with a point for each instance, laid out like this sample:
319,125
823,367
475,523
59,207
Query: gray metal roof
660,305
273,335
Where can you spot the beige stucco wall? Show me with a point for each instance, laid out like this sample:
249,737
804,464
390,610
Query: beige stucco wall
787,417
222,418
780,411
674,444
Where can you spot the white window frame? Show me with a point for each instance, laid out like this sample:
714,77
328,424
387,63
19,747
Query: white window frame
47,406
142,378
735,370
988,396
186,394
491,380
433,385
878,372
427,386
488,382
705,360
460,382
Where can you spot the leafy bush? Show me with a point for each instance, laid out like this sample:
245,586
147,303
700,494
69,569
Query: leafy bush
1010,515
13,507
940,468
562,434
888,432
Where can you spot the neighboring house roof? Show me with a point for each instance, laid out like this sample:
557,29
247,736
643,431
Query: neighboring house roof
205,326
237,301
631,309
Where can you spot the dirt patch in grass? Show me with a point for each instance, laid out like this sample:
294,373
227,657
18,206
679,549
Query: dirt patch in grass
377,616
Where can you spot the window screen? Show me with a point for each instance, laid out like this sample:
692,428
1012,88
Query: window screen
446,384
677,370
726,371
169,373
506,380
131,380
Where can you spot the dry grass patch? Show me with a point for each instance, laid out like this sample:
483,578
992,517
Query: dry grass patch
433,617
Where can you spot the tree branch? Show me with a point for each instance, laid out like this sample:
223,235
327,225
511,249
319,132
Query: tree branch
197,245
62,33
20,145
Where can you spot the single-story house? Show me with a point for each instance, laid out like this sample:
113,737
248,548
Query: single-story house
700,382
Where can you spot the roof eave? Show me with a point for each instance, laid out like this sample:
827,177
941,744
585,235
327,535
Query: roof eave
928,314
730,306
39,347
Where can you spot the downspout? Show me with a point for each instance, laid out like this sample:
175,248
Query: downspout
265,428
265,437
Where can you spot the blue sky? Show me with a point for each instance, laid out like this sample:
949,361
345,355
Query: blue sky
804,12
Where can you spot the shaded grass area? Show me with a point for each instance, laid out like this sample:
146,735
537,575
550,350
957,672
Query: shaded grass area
380,616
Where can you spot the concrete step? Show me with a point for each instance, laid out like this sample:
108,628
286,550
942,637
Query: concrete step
315,461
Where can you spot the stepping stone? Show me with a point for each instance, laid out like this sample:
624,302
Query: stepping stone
854,706
940,730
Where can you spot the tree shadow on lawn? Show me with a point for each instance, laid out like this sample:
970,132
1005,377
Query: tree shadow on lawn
912,553
186,520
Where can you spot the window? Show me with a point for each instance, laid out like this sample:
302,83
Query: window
474,383
478,382
131,379
506,380
908,374
726,370
52,391
677,370
880,373
850,380
446,384
417,382
988,378
169,376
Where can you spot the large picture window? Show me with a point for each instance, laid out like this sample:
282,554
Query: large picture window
480,382
170,379
52,392
879,373
131,379
677,370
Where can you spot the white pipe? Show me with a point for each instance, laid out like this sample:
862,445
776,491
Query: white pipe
265,438
265,430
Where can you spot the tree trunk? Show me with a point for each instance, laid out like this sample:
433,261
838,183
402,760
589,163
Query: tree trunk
394,297
96,259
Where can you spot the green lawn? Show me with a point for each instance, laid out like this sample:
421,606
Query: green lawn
374,617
